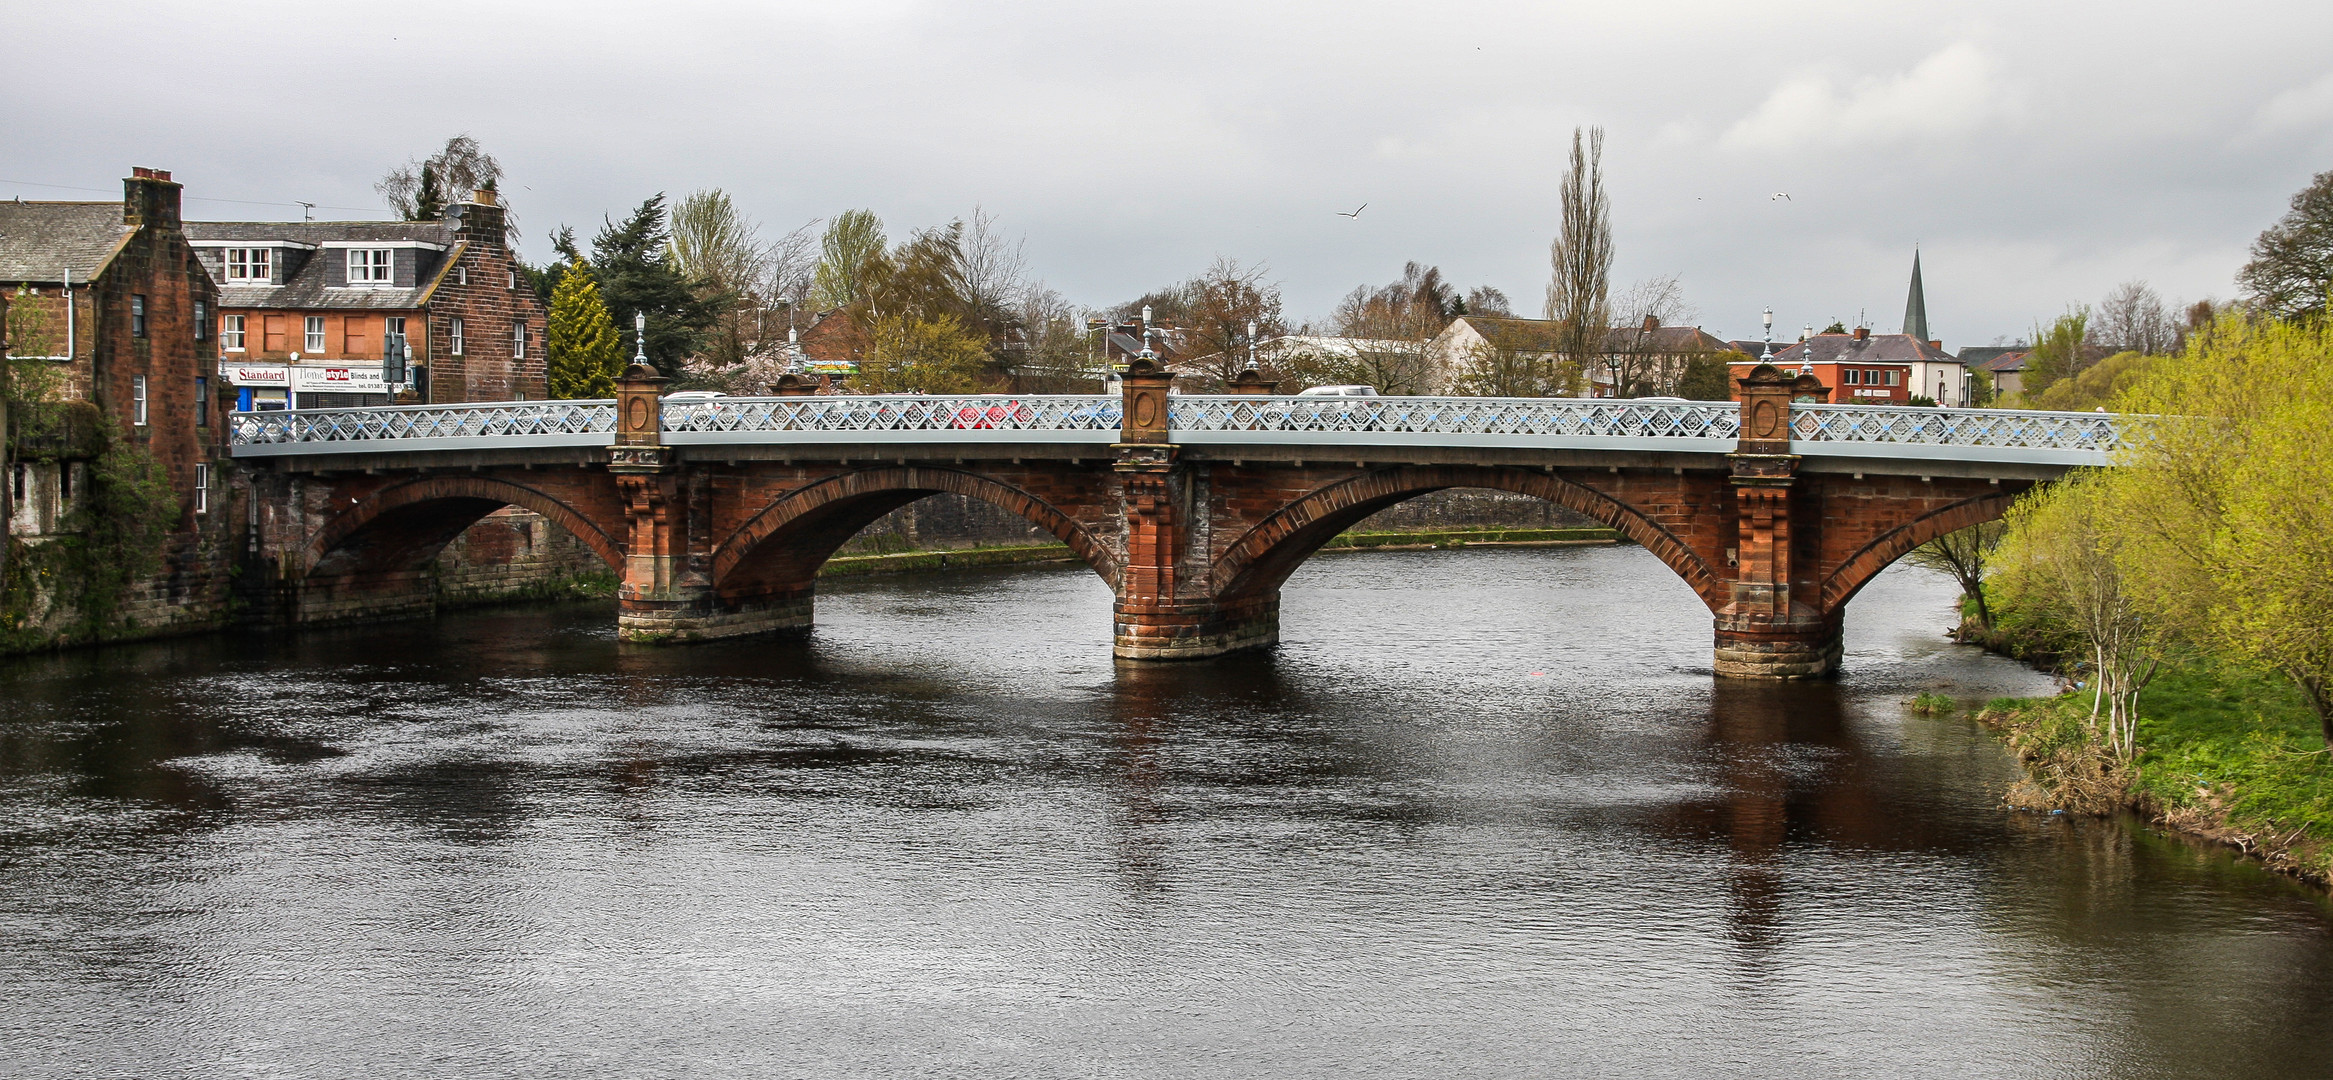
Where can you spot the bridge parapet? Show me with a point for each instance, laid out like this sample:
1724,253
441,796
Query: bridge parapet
1975,436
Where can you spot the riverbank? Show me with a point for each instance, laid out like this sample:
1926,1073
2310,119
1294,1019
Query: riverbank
913,562
2225,755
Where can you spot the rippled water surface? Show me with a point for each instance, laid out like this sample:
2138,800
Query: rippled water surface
1482,814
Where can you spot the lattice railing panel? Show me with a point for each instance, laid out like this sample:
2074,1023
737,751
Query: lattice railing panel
401,422
2009,428
1052,412
1459,416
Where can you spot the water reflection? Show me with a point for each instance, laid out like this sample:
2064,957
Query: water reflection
1484,813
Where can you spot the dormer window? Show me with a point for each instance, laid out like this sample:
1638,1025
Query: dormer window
251,265
369,266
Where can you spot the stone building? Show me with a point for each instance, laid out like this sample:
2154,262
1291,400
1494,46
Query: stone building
320,314
110,303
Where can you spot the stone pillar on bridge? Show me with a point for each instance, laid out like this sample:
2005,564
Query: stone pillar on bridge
667,592
1163,611
1772,626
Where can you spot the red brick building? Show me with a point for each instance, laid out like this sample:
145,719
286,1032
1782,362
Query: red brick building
124,309
1860,368
318,312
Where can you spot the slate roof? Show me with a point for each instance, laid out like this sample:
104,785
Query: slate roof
305,287
1876,349
322,232
39,241
2002,360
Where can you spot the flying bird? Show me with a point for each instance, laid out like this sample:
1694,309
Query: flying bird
1783,195
1356,211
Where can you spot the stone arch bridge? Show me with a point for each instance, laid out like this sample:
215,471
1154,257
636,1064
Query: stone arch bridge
1193,509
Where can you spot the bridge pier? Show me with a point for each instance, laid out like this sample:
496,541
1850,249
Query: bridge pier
1147,629
1754,650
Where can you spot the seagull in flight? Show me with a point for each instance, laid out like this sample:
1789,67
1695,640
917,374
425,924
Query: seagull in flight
1356,211
1782,195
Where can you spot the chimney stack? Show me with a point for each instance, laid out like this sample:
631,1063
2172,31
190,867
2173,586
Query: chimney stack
1652,323
1863,333
481,219
150,198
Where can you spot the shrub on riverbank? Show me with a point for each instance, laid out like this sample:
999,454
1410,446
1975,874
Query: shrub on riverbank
2224,752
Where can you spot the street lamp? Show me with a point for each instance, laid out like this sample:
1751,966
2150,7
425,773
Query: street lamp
640,331
1806,356
1251,343
1769,357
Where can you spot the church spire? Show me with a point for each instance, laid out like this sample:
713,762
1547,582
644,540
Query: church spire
1916,304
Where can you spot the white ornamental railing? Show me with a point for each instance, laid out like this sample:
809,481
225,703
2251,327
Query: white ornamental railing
894,417
425,427
1974,434
1468,421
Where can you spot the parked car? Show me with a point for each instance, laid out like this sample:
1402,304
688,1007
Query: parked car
694,395
1337,391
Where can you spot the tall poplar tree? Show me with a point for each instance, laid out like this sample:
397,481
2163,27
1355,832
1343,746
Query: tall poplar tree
1579,286
586,354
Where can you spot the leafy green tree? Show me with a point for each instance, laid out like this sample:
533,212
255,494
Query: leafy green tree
852,254
2063,559
2098,385
1965,557
2226,502
633,262
429,202
909,353
2057,351
585,351
2292,262
1706,378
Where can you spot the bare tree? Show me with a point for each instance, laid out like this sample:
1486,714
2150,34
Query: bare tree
2133,317
1381,334
1052,356
458,169
1485,300
1219,306
1640,361
995,269
1580,258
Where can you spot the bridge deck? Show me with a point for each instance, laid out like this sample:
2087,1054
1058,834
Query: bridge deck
1910,435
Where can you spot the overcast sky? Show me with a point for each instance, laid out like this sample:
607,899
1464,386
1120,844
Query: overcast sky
2038,153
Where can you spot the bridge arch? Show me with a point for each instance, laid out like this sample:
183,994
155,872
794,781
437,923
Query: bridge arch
1883,550
404,525
1259,560
786,543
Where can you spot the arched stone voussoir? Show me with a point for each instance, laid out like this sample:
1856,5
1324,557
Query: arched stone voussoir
1263,557
1857,571
879,490
453,490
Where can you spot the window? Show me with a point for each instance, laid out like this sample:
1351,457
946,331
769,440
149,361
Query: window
202,320
461,275
1853,377
138,400
518,341
202,401
353,331
137,315
231,333
1895,378
18,476
202,487
369,266
65,480
315,344
514,279
251,264
454,335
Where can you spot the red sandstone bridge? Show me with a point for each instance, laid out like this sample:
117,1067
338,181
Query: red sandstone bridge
1194,509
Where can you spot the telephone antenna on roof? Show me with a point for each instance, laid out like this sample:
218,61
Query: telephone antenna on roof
307,211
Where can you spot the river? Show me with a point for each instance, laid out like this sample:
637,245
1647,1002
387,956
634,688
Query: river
1482,814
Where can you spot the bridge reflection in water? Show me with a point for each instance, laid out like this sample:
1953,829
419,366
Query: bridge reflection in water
1194,510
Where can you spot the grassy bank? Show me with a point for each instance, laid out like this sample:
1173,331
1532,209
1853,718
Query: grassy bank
909,562
2225,754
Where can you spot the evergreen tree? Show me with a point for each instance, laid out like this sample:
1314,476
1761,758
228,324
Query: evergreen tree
429,203
586,354
633,262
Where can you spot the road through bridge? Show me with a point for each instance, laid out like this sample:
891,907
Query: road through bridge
1194,509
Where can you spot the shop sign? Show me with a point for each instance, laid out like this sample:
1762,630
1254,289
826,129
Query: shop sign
308,379
255,374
